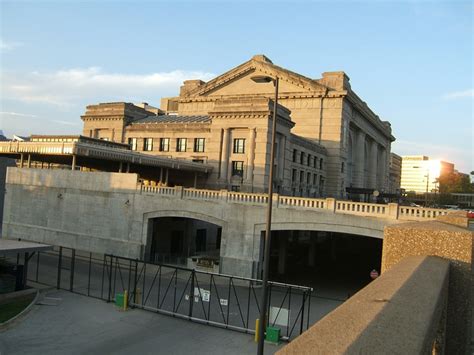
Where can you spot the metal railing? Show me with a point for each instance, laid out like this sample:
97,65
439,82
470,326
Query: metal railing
214,299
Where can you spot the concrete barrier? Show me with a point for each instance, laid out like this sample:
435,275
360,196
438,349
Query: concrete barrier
401,312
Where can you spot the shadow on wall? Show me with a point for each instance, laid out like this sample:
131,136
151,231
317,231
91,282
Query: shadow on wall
4,163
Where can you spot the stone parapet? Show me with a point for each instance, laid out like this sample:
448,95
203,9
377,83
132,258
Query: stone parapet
401,312
452,243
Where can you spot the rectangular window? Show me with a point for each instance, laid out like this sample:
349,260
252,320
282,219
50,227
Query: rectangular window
308,178
301,176
315,162
302,158
132,142
181,144
239,145
238,168
235,188
199,144
309,160
342,167
201,161
315,179
164,144
293,176
295,154
321,163
148,144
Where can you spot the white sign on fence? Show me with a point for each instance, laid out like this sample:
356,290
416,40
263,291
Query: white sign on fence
206,295
223,302
279,316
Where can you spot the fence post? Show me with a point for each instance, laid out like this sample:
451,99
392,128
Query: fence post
71,278
110,279
58,281
135,285
302,312
191,295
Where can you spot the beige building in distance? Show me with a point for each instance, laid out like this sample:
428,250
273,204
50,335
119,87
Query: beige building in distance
328,139
420,174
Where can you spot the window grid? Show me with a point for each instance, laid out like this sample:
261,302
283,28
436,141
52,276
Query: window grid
164,144
239,145
199,145
181,145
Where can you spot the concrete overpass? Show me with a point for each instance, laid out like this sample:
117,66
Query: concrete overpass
113,213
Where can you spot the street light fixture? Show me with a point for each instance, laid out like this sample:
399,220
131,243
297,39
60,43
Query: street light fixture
260,79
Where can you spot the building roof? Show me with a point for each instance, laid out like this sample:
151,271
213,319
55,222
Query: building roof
173,119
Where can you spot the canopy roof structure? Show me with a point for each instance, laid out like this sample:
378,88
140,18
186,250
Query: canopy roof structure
13,247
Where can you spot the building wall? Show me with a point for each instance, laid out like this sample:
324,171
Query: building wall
324,111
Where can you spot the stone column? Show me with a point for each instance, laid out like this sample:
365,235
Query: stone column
382,168
358,158
373,165
28,162
281,158
251,155
225,155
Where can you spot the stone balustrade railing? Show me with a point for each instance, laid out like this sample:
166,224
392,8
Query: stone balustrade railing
390,211
37,147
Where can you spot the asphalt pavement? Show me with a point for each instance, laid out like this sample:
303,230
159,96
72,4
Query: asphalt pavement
68,323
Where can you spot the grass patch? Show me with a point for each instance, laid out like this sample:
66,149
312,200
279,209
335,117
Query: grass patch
12,308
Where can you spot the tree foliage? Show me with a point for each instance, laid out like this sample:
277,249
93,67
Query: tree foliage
455,183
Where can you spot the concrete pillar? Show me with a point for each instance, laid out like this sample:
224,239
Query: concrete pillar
251,155
373,165
73,165
120,167
22,158
28,164
161,176
282,242
128,167
166,177
225,156
359,159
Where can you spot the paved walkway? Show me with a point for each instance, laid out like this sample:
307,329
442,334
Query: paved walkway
75,324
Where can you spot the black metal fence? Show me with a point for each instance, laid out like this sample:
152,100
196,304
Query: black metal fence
221,300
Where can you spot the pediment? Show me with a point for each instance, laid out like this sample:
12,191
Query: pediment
238,82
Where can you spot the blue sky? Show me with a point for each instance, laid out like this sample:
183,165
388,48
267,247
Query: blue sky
411,61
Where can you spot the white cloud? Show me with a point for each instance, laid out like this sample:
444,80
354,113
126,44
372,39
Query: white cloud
8,46
16,114
65,88
459,94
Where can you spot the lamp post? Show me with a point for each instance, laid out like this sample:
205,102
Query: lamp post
266,257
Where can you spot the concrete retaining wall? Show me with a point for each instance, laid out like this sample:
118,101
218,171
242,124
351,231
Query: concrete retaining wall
107,213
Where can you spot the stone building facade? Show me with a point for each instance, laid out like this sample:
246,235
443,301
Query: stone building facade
327,137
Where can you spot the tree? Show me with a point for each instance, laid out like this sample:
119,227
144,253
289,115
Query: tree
455,183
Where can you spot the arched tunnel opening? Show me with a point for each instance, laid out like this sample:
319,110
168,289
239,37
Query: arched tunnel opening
184,242
336,265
